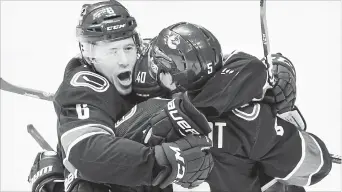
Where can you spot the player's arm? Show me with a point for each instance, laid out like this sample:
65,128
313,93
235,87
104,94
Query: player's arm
160,121
92,150
289,154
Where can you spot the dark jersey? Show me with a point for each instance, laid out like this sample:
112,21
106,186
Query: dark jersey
247,139
87,106
243,78
252,136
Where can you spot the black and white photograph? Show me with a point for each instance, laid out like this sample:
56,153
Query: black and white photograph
170,96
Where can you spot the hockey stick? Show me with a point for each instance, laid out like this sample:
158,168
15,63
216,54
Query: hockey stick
266,41
39,139
268,61
6,86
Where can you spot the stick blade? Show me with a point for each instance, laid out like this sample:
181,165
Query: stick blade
38,138
6,86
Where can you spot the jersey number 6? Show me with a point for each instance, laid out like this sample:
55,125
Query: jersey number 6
82,111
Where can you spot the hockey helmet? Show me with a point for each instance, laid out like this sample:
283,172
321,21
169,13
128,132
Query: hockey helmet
189,52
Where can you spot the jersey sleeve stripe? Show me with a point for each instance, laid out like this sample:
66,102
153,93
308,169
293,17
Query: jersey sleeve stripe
76,129
322,161
308,165
77,134
300,162
68,148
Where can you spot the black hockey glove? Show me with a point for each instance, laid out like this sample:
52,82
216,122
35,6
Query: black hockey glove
178,119
46,174
282,96
185,162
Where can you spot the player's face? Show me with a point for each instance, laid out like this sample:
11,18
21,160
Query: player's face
115,60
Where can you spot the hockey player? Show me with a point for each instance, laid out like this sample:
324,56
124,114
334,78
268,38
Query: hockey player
246,139
94,94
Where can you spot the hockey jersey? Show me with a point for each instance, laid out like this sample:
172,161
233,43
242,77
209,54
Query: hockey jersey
243,78
246,139
87,106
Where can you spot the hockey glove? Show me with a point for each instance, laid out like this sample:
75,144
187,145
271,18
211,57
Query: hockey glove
178,119
185,162
46,174
295,117
282,96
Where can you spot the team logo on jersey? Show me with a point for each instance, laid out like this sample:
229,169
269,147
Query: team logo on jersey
173,41
91,80
248,112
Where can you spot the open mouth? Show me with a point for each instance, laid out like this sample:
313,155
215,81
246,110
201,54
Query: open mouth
125,78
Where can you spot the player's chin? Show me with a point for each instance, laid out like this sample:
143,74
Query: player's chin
125,91
124,88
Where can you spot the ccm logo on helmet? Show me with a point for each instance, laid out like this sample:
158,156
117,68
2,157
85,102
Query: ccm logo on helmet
185,126
115,27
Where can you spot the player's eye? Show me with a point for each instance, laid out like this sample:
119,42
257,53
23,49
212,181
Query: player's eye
129,48
112,51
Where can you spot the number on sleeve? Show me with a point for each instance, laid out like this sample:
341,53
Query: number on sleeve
210,68
82,111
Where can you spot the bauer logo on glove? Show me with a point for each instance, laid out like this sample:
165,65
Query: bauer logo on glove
181,122
186,117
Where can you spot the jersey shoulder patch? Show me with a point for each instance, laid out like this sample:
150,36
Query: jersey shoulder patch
248,112
90,80
82,85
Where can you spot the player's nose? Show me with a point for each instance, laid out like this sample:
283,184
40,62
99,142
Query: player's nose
123,62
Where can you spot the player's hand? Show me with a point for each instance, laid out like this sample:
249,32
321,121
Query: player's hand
282,96
186,162
178,119
46,174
